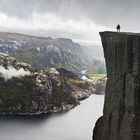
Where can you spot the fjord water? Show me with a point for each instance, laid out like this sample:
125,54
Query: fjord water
76,124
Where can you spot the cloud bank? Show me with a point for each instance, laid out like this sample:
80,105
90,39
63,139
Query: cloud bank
80,20
83,30
12,72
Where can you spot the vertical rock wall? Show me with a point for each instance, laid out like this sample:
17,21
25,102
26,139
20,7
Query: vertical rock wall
121,114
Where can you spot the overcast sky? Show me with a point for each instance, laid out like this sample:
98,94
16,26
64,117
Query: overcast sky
80,20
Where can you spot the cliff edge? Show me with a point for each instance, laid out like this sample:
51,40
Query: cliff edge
121,117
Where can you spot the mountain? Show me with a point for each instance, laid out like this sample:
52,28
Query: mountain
45,51
24,90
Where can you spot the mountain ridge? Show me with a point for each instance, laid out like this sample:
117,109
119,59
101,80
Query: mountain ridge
41,52
44,51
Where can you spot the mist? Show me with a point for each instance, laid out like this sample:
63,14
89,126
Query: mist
79,20
11,72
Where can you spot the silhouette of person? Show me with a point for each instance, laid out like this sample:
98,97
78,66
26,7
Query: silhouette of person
118,28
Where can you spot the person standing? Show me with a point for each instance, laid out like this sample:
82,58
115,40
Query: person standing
118,28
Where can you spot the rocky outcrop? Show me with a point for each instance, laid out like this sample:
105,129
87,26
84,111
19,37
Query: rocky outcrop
23,90
121,117
100,85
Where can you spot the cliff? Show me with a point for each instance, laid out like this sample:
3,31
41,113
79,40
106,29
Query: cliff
121,117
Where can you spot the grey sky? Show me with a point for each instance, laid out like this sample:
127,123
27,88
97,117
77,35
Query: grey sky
80,20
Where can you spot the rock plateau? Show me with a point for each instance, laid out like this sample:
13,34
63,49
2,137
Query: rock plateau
121,114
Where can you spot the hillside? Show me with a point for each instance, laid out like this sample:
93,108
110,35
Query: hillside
24,90
45,51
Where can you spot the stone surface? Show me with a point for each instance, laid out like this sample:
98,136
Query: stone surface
121,114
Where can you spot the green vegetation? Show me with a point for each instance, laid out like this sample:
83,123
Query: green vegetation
98,76
97,70
78,84
16,94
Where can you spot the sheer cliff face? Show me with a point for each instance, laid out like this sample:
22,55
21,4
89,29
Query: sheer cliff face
121,117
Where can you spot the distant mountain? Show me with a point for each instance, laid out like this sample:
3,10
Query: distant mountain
98,67
93,52
45,51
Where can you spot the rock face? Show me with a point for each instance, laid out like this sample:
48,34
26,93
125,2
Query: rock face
23,90
121,114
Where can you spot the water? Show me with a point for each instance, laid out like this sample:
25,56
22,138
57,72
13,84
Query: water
76,124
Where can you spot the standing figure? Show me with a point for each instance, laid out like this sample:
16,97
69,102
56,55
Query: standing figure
118,28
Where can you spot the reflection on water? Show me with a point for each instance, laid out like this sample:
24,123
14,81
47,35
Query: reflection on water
76,124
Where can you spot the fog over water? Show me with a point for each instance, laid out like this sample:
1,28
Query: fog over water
76,124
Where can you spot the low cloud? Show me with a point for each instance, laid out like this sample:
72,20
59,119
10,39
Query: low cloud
12,72
82,30
66,18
